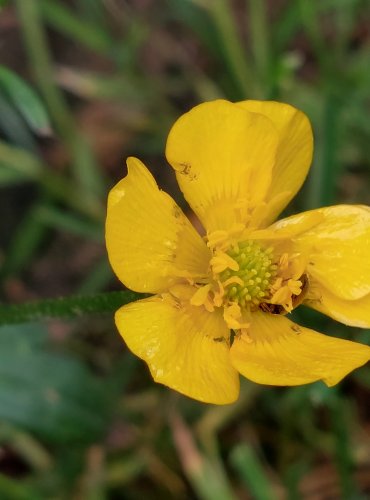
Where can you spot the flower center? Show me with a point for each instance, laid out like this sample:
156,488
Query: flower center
246,276
249,279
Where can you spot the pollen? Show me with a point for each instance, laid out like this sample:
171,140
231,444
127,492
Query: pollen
251,271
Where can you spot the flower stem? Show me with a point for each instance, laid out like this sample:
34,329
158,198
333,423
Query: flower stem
66,307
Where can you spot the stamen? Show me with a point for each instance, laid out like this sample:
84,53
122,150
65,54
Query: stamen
233,279
222,261
200,296
233,317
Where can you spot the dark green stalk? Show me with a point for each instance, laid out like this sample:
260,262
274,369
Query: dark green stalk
66,307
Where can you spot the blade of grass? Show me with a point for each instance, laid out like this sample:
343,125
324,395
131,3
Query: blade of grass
311,24
284,30
13,489
216,418
26,445
250,470
122,471
25,241
342,424
325,170
80,30
260,44
234,54
84,166
194,15
26,101
293,475
31,168
31,232
97,279
331,165
13,126
92,10
8,177
92,484
69,222
202,472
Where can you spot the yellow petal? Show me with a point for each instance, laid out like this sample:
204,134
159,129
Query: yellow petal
338,250
283,353
349,312
294,152
150,242
223,156
183,347
288,227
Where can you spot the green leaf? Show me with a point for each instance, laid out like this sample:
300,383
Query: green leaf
50,394
11,489
80,30
26,101
9,177
13,126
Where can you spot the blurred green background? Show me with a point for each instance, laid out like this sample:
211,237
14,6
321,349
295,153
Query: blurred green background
83,85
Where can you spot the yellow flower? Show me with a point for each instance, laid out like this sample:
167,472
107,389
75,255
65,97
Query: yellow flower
220,300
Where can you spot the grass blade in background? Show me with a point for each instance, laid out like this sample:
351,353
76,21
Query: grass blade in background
234,52
26,101
61,18
24,243
69,222
13,126
260,44
203,474
84,167
98,279
59,187
322,181
250,471
342,421
12,490
9,177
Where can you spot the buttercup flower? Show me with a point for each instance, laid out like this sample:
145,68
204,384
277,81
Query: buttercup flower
220,300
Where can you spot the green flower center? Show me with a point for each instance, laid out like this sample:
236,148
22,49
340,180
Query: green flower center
251,281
